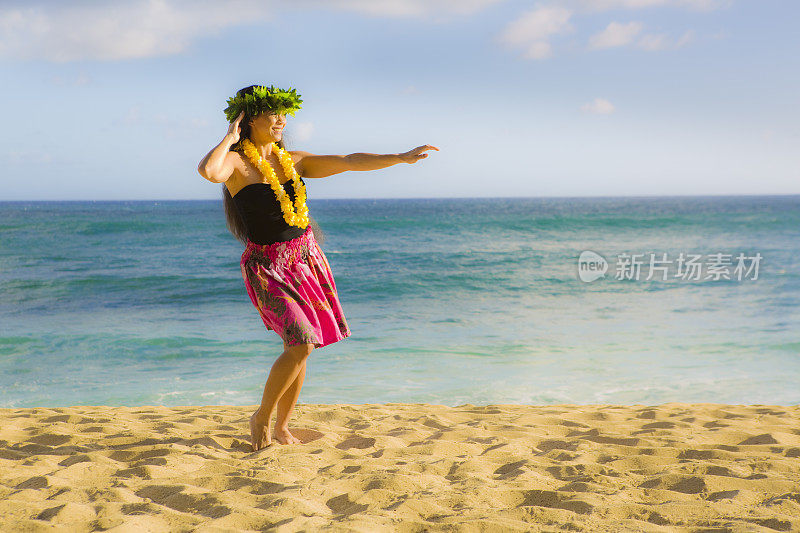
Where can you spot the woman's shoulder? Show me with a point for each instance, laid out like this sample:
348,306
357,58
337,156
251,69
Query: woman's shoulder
298,155
235,156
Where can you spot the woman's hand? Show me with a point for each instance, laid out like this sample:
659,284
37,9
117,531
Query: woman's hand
412,156
234,129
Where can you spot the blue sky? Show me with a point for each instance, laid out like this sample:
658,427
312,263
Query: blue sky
121,100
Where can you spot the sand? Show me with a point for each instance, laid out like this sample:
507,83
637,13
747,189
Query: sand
403,467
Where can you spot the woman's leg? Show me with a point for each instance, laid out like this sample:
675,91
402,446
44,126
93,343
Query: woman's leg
284,371
286,405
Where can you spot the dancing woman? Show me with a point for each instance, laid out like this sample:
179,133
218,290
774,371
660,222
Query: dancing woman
285,272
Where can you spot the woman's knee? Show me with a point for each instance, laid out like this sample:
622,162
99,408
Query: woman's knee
299,351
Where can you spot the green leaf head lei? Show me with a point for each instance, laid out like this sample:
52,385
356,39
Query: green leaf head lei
263,99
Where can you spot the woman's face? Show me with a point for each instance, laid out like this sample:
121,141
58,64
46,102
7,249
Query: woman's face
269,125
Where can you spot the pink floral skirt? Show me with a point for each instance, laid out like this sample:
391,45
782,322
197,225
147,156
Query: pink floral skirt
291,285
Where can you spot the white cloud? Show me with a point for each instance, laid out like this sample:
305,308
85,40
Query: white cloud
598,106
401,8
533,29
176,127
132,116
653,41
172,127
21,156
684,39
615,34
107,31
605,5
81,30
661,41
79,79
302,131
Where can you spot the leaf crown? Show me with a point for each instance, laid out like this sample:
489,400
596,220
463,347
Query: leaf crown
269,99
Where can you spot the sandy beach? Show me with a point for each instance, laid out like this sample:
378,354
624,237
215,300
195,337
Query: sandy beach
404,467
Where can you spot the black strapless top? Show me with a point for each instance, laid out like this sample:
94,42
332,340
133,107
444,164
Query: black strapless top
262,215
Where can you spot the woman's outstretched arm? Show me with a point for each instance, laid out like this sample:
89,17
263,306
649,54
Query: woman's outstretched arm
319,166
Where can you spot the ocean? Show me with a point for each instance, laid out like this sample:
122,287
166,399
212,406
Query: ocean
450,301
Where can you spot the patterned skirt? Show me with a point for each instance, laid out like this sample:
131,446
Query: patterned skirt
291,285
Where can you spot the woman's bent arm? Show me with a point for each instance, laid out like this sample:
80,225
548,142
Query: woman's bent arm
216,166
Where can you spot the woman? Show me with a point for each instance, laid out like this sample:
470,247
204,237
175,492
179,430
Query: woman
285,272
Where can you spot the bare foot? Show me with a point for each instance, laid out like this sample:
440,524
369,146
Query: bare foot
285,437
259,433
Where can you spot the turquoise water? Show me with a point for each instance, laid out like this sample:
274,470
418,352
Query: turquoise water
450,301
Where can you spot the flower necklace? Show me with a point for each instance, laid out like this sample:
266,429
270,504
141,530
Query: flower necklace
297,216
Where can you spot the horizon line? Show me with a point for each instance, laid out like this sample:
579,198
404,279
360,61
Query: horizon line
728,195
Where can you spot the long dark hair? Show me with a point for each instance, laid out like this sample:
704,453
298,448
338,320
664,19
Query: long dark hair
232,217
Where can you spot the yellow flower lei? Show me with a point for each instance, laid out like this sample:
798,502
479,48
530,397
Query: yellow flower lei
294,217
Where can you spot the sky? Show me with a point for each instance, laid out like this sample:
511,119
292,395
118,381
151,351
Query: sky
121,100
